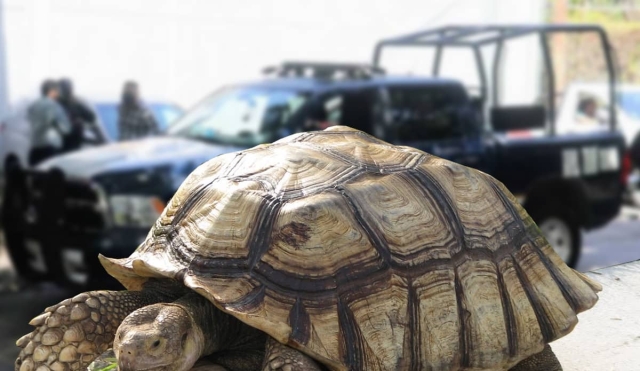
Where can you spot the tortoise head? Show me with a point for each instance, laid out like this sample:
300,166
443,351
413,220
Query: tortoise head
158,337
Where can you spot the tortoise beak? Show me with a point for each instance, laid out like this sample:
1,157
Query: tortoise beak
125,363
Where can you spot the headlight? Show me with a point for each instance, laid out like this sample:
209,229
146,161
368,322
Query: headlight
134,210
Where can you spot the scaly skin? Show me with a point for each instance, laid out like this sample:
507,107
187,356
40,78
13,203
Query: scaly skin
281,357
543,361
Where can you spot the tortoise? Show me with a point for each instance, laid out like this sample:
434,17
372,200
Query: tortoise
327,250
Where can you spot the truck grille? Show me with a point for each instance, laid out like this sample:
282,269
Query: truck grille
70,205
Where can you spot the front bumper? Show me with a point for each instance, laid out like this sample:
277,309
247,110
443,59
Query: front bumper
67,225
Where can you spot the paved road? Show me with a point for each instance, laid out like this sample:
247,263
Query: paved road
617,243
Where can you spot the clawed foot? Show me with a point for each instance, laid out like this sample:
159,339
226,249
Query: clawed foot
543,361
283,364
280,357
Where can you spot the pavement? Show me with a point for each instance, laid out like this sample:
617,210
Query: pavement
616,243
610,328
17,306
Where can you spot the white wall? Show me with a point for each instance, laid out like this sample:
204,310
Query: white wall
183,49
4,95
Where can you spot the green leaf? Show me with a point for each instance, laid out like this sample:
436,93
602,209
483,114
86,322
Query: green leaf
105,362
110,367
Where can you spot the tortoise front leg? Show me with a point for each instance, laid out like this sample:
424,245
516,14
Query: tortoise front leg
281,357
72,333
543,361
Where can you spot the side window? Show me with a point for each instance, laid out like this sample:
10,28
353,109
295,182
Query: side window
426,113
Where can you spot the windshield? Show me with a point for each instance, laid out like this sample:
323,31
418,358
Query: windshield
165,115
629,101
244,116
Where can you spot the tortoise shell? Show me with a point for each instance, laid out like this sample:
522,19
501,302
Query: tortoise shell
365,255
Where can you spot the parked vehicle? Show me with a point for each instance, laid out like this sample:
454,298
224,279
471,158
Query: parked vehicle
14,150
14,128
104,200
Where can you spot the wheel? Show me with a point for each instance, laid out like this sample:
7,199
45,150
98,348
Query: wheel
561,230
13,223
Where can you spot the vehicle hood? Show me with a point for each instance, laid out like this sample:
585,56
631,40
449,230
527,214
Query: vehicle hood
138,154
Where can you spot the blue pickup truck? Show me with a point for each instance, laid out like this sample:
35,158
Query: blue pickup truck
104,200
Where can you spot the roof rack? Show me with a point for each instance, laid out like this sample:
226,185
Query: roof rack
482,35
320,70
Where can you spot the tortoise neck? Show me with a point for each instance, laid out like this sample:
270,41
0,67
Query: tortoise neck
164,290
221,331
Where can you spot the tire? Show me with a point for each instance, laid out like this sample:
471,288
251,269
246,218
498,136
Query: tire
13,224
562,231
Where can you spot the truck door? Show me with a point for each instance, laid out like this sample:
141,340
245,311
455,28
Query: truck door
438,119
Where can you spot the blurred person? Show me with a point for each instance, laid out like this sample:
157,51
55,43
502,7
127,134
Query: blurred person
80,116
134,119
587,110
49,124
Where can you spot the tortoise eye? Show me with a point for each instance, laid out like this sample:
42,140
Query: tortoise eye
156,344
184,337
